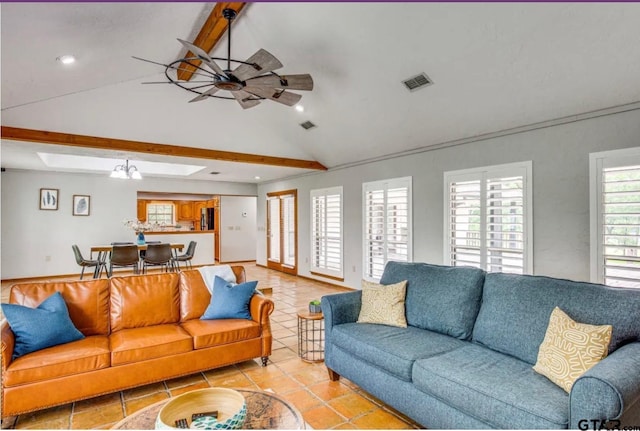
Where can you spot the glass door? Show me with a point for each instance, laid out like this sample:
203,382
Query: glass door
282,236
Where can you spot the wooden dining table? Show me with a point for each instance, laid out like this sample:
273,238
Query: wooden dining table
104,250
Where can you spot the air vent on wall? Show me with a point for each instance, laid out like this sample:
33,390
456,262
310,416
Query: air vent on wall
307,125
417,82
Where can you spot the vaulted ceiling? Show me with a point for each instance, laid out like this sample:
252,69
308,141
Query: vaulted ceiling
494,66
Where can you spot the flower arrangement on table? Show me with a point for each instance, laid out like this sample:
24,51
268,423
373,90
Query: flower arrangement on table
140,228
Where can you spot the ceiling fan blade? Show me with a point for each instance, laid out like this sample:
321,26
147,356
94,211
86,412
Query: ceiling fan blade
244,99
203,56
287,82
205,94
284,97
176,82
260,62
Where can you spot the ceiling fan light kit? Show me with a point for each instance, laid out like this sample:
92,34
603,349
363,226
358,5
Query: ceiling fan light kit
248,83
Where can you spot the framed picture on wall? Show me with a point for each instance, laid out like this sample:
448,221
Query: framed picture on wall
81,205
48,199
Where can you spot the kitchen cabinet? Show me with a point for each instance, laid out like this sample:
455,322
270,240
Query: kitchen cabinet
185,210
213,203
142,210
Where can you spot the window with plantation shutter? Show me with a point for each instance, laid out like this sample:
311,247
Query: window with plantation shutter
326,232
615,217
487,218
387,224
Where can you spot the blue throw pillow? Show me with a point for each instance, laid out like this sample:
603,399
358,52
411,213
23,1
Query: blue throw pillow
37,328
229,300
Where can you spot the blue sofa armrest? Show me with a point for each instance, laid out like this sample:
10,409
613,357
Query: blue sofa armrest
340,308
610,391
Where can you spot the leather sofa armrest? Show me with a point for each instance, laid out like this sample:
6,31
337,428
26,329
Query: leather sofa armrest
610,391
261,308
8,344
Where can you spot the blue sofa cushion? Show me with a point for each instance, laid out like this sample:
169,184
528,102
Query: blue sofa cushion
444,299
515,311
391,348
494,388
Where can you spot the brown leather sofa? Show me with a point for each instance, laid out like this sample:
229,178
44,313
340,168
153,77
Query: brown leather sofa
138,330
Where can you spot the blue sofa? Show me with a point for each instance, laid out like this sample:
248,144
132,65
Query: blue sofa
465,360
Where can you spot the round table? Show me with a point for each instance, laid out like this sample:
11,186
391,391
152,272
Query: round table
265,410
310,336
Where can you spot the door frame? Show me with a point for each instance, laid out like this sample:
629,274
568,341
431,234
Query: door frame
279,266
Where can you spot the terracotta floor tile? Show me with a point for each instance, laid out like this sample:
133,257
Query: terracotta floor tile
144,391
311,375
322,418
97,402
233,381
352,405
294,365
380,419
183,389
91,419
134,405
43,418
185,381
345,426
279,385
329,390
219,372
262,374
282,355
302,399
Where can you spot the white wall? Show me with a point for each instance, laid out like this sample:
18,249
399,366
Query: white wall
38,243
237,228
560,156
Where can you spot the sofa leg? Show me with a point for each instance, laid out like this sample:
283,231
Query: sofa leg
333,376
265,359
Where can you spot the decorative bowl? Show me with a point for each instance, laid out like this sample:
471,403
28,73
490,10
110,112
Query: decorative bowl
230,405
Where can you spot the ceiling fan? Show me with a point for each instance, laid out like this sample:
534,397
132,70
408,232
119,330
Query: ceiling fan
248,83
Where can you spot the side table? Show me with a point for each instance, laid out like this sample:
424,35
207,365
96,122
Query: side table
310,336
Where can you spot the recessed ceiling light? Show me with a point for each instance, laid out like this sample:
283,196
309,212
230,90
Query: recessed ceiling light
66,59
299,108
257,177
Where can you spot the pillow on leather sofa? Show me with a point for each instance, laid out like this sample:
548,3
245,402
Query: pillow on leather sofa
38,328
230,300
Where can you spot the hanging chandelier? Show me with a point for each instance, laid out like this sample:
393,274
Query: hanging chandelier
126,172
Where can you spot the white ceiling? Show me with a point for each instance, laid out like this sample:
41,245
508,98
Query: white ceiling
495,66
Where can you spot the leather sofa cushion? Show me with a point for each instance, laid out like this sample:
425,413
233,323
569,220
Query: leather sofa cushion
515,311
82,356
87,301
391,348
209,333
140,344
439,298
144,300
494,388
194,295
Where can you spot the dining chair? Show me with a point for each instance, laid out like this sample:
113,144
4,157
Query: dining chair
143,252
84,263
186,257
124,256
158,255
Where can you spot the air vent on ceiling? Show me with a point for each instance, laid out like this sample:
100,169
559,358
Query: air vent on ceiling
214,173
307,125
417,82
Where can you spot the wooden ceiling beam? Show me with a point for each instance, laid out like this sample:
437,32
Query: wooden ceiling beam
210,33
83,141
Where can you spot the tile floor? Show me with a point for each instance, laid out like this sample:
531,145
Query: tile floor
323,404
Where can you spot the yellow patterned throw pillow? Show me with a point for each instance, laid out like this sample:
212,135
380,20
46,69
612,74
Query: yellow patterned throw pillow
570,348
382,304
